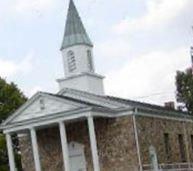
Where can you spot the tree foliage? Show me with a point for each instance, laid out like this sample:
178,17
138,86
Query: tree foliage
184,85
11,98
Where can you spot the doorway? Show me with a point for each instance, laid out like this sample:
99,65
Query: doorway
77,157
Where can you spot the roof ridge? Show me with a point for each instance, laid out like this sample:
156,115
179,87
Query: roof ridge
145,104
74,99
129,101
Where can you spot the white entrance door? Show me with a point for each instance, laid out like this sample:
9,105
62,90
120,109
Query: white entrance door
76,157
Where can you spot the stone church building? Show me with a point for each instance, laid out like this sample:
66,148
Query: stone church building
80,128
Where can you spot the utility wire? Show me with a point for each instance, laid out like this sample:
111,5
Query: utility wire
153,95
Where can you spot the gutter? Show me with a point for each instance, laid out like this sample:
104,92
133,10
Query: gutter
65,115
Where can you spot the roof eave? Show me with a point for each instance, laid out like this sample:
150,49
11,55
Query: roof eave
68,115
162,113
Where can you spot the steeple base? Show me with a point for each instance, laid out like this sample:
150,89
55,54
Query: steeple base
92,83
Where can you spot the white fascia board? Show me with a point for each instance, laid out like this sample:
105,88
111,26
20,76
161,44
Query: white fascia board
182,118
45,122
55,118
134,111
110,115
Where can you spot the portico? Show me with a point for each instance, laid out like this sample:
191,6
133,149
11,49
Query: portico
31,128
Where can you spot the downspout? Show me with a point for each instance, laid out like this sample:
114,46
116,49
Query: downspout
186,141
137,139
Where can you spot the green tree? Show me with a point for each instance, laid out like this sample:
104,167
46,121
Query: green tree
184,85
11,98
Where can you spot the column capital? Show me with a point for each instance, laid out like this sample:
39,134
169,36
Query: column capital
90,116
32,128
60,122
8,133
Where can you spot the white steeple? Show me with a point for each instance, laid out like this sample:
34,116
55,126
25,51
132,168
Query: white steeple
78,57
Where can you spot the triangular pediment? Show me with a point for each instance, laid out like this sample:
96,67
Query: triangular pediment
41,105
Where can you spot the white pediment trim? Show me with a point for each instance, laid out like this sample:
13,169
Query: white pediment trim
34,98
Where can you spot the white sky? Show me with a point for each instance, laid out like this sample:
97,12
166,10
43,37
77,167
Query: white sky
139,44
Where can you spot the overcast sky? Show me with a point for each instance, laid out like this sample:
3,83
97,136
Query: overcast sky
138,44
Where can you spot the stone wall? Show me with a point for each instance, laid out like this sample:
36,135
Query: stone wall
49,150
26,153
78,132
151,132
115,140
189,130
116,144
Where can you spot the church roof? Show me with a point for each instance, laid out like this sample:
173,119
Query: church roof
119,103
73,104
75,32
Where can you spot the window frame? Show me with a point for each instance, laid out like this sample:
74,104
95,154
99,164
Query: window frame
191,137
90,60
71,61
167,145
182,148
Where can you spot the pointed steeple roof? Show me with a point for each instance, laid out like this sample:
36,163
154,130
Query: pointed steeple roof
75,32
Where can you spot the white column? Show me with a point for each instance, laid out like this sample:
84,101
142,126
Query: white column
10,153
64,144
93,143
35,149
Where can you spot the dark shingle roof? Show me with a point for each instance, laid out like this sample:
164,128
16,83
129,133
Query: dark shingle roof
132,103
145,105
75,100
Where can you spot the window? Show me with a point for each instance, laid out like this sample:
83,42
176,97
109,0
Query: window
167,145
77,156
42,104
71,61
192,142
182,147
90,62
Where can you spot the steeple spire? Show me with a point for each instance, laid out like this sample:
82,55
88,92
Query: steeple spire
75,32
78,57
